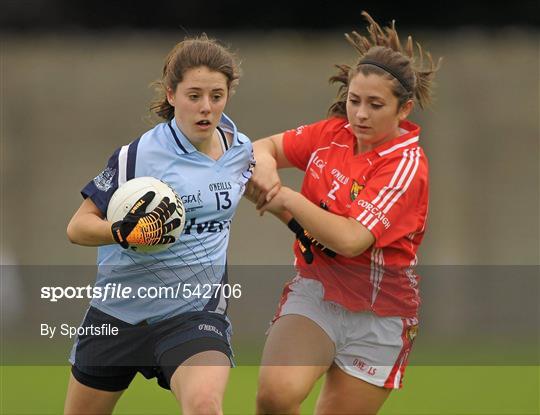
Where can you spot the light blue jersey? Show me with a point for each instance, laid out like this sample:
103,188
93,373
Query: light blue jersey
186,276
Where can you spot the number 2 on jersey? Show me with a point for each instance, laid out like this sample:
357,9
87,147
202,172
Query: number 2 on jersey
335,187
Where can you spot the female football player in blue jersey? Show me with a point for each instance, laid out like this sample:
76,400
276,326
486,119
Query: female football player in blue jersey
181,333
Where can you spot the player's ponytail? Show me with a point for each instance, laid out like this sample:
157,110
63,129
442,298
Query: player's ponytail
188,54
382,53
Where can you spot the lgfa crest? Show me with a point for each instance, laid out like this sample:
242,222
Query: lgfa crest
355,189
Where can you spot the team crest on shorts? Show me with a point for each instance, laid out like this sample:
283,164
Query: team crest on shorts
355,189
412,332
103,180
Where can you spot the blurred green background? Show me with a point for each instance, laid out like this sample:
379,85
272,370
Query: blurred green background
427,390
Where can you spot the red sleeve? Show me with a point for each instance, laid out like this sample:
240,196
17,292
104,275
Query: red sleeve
394,201
298,144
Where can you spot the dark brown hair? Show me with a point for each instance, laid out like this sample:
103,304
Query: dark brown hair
188,54
412,78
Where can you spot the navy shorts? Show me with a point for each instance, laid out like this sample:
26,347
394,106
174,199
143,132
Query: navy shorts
105,361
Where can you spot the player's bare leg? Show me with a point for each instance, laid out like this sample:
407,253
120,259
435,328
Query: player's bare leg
199,383
361,397
82,399
291,364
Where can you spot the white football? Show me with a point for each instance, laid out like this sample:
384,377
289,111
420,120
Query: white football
127,195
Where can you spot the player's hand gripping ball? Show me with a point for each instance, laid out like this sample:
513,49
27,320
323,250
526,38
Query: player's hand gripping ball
147,214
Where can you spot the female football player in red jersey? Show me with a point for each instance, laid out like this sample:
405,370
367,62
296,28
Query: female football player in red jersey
351,311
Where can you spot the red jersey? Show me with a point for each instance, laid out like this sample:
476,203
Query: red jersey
386,190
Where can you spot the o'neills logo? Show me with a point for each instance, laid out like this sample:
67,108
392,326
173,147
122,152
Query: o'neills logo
364,367
375,211
209,327
299,129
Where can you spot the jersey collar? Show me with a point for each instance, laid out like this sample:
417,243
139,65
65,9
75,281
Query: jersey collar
185,146
409,137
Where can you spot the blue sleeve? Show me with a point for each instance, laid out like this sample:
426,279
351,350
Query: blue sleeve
102,187
120,168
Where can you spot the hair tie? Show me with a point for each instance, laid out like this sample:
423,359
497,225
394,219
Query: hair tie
389,70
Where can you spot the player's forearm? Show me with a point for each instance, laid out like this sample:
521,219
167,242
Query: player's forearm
265,172
343,235
284,216
271,150
89,230
265,149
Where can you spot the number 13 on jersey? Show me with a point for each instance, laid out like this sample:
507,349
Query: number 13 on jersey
222,200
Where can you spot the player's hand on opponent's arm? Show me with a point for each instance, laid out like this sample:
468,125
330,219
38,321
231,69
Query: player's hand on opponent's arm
264,183
141,228
276,204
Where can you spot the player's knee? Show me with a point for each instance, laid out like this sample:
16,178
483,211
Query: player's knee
278,396
202,403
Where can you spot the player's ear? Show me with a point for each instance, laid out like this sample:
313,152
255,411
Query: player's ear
170,96
405,110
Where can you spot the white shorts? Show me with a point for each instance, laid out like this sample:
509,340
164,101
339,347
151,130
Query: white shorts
371,348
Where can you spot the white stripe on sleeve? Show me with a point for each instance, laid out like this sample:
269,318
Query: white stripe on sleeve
402,188
122,165
384,189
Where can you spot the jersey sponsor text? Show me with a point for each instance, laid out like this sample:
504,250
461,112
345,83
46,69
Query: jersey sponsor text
212,226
